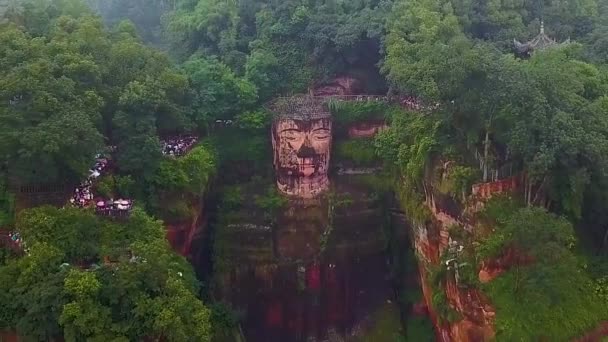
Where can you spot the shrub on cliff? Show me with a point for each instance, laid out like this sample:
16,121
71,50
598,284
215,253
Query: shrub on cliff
90,278
546,293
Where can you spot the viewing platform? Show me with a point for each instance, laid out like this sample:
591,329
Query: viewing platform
289,104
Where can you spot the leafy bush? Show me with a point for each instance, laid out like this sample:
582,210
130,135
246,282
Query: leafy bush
442,307
125,186
7,206
223,320
346,112
253,120
601,288
412,203
177,211
106,186
271,202
232,197
377,182
549,296
462,178
554,304
190,173
236,147
499,209
419,329
361,152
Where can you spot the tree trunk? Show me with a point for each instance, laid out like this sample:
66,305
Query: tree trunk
486,150
538,191
605,241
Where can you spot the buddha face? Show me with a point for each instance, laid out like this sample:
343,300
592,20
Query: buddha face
301,155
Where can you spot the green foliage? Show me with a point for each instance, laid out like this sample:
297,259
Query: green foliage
347,112
282,47
63,288
385,325
223,320
257,120
176,211
125,186
525,229
67,87
412,203
54,113
601,288
264,70
7,205
409,144
189,174
361,152
105,186
421,34
499,209
180,180
552,279
271,202
232,197
419,328
218,92
442,307
379,183
137,17
551,295
71,84
242,153
461,178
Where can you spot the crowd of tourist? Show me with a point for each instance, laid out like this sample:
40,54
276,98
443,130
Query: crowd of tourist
13,241
113,207
411,102
416,104
178,146
15,237
83,194
223,123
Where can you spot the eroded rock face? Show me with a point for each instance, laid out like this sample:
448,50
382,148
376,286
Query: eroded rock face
430,239
307,279
366,129
299,229
301,140
343,85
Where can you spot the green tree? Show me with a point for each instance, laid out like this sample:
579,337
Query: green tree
427,52
218,92
141,290
546,273
48,114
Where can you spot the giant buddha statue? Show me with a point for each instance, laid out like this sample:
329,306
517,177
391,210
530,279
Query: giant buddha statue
301,140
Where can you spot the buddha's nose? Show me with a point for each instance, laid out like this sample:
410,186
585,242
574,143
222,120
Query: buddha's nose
306,150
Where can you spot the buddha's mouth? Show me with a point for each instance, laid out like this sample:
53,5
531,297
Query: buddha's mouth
307,167
307,162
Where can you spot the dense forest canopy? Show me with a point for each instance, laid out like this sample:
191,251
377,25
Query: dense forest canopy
77,77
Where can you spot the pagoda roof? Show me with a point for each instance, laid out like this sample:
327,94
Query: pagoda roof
540,42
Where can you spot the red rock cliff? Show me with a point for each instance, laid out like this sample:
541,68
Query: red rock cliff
430,241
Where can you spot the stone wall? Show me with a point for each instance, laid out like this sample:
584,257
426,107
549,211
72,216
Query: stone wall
487,190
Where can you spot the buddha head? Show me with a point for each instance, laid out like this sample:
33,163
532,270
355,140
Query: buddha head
301,140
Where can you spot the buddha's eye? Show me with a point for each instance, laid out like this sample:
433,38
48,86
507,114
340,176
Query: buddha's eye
321,134
291,135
